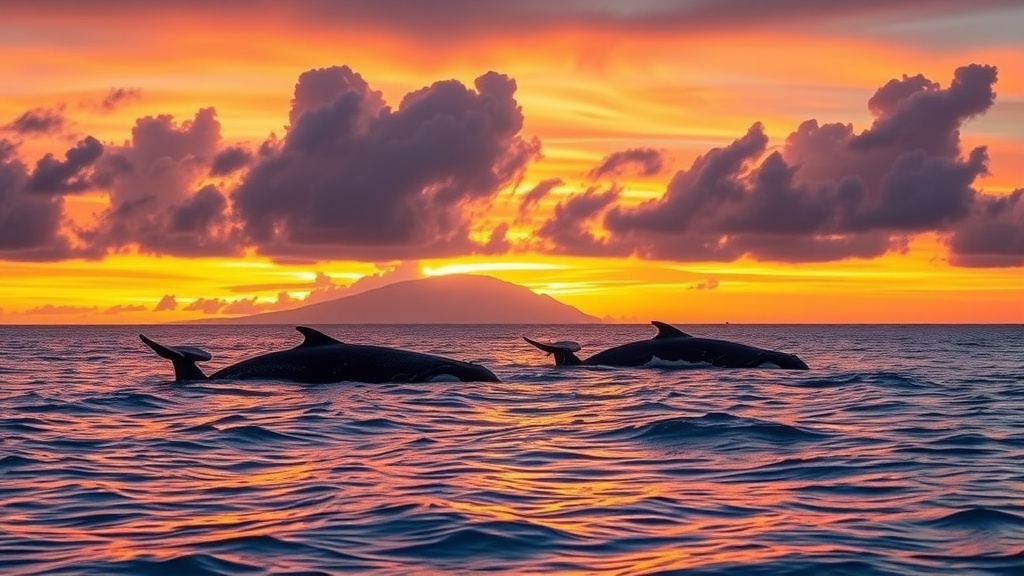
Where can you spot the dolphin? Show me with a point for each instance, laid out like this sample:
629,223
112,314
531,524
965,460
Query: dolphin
321,359
673,345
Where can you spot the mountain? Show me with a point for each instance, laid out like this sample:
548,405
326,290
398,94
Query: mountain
452,299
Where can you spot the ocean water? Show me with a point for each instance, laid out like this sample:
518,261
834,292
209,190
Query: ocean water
900,452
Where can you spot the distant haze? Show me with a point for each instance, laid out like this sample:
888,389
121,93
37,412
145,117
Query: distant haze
453,299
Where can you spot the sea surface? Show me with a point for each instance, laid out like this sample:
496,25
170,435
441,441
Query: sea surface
900,452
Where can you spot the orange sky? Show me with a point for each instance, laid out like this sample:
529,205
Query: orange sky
590,82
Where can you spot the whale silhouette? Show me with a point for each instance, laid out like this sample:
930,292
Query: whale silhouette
321,359
671,344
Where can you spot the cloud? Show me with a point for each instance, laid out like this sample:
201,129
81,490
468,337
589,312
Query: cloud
230,160
53,176
117,97
324,287
570,230
158,199
709,284
123,308
38,121
827,194
353,178
206,305
167,302
30,224
640,161
51,309
538,193
993,235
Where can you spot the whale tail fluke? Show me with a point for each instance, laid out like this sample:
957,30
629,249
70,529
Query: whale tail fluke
184,359
563,351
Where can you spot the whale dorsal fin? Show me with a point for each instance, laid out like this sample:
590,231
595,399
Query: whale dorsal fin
315,337
667,331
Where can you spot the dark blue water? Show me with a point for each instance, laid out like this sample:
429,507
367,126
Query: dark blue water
900,452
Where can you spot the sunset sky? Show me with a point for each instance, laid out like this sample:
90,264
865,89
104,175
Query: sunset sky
692,161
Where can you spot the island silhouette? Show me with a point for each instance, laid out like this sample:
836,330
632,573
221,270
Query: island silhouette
450,299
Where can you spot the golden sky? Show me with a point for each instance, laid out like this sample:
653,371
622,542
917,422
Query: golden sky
687,161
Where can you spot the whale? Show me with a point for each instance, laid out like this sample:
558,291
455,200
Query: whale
321,359
672,345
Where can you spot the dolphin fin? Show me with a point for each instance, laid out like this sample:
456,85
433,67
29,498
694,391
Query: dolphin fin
184,359
315,337
563,351
667,331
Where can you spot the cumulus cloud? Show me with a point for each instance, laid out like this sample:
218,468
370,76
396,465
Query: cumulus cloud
230,160
158,201
38,121
993,235
353,178
166,303
639,161
30,224
53,176
827,194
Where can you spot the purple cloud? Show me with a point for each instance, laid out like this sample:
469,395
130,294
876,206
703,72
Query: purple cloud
354,179
993,235
38,121
828,194
53,176
538,193
157,197
230,160
639,161
30,224
117,97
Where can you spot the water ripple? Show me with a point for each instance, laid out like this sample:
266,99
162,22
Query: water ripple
881,460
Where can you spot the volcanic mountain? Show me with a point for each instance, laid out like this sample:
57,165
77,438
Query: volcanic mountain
451,299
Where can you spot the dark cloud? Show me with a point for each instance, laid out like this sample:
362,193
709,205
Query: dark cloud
30,224
570,230
167,302
828,194
117,97
230,160
158,201
53,176
993,235
639,161
356,179
38,121
538,193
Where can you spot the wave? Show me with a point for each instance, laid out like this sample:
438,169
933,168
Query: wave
718,425
980,518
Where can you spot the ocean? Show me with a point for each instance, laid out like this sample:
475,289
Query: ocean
900,452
